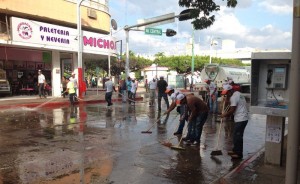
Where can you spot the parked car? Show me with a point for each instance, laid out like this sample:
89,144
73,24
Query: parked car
5,88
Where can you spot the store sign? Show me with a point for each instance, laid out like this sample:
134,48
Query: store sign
39,34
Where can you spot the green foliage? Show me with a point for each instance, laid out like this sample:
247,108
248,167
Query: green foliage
205,8
182,64
116,67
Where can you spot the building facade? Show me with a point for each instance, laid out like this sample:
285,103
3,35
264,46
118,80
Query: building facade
43,35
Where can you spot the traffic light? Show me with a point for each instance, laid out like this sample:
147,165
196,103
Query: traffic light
170,32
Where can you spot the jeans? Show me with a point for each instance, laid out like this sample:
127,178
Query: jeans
165,96
132,97
152,97
42,90
195,127
108,96
128,96
123,92
72,98
213,104
238,134
181,122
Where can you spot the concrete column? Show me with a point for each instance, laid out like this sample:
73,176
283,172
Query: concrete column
75,67
294,105
56,74
274,148
75,62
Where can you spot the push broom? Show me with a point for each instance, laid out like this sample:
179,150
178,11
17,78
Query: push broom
168,143
178,147
217,151
148,131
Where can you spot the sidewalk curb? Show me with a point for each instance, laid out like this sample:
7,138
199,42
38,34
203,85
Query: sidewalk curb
226,178
57,103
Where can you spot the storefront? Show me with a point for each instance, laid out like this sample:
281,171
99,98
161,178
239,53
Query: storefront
51,48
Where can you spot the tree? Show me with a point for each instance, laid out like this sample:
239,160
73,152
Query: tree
206,7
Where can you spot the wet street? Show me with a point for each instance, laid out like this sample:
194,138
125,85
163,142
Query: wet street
93,144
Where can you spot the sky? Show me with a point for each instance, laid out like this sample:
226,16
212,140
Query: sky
258,24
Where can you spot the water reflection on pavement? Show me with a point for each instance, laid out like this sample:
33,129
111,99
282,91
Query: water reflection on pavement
93,144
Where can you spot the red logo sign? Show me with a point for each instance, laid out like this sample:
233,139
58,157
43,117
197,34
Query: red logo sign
24,30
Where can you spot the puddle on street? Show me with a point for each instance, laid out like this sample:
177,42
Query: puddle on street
93,144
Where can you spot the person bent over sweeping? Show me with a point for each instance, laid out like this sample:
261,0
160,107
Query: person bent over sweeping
238,107
197,112
180,109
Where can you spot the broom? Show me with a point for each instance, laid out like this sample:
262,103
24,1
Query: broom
148,131
178,147
217,151
168,143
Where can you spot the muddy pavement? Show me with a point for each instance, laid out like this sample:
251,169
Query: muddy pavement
93,144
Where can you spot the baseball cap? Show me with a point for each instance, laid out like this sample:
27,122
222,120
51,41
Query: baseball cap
39,70
206,79
179,98
226,88
169,88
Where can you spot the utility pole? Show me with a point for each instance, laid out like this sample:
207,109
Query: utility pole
294,105
193,62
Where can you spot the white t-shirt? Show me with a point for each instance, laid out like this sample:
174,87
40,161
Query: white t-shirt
211,87
133,87
241,112
74,80
41,78
109,86
152,84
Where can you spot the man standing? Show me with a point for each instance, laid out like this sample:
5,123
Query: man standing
152,87
71,90
239,109
41,84
162,86
198,112
74,80
109,85
213,96
133,92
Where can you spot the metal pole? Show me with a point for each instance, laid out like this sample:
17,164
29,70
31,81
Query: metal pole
193,62
210,45
109,73
79,83
294,105
127,53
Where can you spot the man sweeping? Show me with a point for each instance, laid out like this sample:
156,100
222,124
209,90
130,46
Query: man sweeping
239,109
197,112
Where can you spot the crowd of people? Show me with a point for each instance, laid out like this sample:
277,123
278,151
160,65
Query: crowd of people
193,110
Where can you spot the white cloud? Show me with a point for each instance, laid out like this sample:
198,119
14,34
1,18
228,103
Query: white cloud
277,7
226,26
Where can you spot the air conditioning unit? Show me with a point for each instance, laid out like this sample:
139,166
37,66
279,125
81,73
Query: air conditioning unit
91,13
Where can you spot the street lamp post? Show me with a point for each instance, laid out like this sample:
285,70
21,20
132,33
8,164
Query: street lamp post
193,62
212,43
80,75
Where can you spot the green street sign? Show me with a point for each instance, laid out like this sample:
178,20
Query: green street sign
153,31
